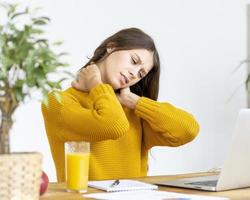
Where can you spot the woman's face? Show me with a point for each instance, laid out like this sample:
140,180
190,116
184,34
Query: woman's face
125,68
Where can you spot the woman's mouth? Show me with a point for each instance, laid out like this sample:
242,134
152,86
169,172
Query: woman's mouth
124,80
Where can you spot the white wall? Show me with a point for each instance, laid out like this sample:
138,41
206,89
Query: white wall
200,43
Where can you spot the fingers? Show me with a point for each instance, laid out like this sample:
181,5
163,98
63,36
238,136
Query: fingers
87,78
125,91
89,68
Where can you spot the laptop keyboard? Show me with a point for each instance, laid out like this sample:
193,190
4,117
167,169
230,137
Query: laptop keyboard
206,183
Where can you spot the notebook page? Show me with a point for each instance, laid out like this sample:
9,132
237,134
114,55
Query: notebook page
124,185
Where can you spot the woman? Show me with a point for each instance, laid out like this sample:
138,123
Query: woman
112,104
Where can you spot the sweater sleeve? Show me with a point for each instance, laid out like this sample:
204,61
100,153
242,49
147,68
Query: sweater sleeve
106,120
165,125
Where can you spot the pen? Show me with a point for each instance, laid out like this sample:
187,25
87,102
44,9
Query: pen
116,182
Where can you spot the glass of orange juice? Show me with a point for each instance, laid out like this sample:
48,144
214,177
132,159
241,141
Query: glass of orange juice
77,166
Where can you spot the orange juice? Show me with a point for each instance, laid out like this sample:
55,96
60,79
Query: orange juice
77,170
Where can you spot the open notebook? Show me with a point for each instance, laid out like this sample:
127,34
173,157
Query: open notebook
121,185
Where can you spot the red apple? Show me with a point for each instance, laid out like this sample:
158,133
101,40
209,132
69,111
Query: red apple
44,183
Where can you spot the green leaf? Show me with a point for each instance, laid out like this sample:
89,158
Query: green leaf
62,79
62,64
11,9
36,31
43,18
18,14
45,41
45,99
40,22
62,54
19,93
57,96
57,43
19,83
54,85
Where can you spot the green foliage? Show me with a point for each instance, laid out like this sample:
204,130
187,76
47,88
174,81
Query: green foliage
26,56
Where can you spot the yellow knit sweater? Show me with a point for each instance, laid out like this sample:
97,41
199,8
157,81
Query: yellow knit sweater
120,138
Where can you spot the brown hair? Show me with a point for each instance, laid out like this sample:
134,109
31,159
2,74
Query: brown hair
133,38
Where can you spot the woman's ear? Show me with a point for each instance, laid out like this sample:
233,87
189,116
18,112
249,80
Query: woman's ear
110,49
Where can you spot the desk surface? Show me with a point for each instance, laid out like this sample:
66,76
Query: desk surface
57,191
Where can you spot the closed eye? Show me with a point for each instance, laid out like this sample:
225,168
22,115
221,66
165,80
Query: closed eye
141,73
133,61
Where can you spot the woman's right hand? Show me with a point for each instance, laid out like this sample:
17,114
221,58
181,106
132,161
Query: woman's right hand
87,78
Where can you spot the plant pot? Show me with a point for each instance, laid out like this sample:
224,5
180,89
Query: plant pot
20,176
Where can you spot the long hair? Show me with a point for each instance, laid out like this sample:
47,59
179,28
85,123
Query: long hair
127,39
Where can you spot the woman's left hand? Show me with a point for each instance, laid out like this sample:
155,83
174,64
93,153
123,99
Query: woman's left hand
127,98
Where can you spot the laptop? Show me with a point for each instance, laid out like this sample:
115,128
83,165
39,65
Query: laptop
235,171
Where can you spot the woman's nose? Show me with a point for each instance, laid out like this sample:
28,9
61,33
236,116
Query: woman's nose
133,73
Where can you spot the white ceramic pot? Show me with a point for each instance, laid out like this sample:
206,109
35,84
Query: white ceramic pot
20,176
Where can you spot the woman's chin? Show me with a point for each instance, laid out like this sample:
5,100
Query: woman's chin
115,86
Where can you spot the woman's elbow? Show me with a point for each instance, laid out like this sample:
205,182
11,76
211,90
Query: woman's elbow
193,130
189,134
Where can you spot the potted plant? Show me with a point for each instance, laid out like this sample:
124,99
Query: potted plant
27,64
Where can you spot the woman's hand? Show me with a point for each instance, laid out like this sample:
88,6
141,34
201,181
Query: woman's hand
87,78
127,98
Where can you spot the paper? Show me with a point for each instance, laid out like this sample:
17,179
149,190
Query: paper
121,185
149,195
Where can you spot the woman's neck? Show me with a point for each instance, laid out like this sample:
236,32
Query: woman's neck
102,71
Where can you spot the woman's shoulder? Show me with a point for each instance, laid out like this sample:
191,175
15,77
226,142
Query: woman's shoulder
65,97
74,93
71,94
